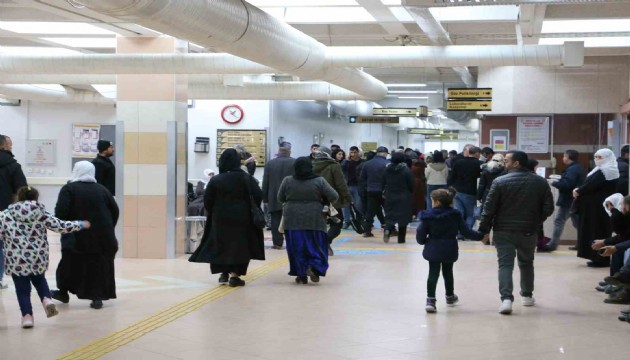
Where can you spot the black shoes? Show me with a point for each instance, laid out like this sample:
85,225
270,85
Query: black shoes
277,247
430,306
224,278
574,248
386,235
368,234
452,300
60,295
314,277
234,282
618,280
620,297
302,280
598,264
96,304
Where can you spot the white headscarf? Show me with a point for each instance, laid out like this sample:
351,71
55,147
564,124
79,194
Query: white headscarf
607,164
207,175
83,172
616,200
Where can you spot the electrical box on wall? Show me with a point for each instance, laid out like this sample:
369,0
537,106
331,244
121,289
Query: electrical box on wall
202,145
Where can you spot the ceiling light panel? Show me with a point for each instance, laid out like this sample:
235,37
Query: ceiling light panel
54,28
476,13
619,41
291,3
36,50
586,26
391,2
85,42
401,14
323,14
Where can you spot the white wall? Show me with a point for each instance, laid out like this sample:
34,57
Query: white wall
601,86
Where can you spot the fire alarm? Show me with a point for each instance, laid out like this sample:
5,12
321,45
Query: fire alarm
232,114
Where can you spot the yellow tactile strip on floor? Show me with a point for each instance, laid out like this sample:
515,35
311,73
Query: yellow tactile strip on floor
123,337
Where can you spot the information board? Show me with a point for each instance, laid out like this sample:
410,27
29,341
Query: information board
84,140
41,152
255,142
533,134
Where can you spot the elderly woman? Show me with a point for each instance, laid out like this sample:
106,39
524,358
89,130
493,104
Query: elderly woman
230,239
86,268
594,222
303,195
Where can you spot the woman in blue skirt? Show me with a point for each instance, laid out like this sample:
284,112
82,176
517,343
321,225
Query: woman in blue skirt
303,196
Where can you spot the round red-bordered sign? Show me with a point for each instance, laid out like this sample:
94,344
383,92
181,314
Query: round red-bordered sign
232,114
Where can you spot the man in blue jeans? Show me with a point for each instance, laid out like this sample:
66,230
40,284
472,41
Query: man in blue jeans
572,177
463,177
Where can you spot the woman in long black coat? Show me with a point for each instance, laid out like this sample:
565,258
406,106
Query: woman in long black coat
594,222
398,192
230,239
86,268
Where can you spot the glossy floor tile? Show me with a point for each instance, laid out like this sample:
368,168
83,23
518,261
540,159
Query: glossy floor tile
369,306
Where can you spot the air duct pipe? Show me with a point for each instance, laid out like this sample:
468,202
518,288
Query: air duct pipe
243,30
89,79
272,91
68,95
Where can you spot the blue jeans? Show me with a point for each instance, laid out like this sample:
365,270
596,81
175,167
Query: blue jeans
562,215
466,203
430,188
354,191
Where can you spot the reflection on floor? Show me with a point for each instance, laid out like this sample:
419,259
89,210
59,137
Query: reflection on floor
370,306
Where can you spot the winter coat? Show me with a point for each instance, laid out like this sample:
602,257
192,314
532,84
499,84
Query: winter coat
372,174
230,238
105,173
519,201
621,226
331,171
464,174
302,201
11,178
572,177
419,186
485,182
622,184
398,191
438,233
352,170
23,234
275,172
436,174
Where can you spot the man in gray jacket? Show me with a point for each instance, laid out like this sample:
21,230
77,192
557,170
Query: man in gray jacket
516,206
275,171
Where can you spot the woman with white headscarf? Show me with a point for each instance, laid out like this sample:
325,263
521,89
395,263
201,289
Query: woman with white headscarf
594,222
86,268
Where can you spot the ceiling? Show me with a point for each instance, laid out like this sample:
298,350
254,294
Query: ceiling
381,23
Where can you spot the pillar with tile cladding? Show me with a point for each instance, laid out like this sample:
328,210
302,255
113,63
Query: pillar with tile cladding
151,137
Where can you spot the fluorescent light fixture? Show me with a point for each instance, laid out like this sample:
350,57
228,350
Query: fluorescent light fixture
586,26
401,14
84,42
307,100
589,41
405,85
36,50
51,87
330,14
293,3
54,28
413,97
476,13
413,91
108,91
391,2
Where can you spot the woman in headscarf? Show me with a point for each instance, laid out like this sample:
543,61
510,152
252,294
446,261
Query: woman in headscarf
593,222
397,190
436,174
303,195
489,171
86,268
230,239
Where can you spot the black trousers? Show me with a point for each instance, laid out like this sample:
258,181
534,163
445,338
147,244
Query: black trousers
335,229
374,208
434,275
276,236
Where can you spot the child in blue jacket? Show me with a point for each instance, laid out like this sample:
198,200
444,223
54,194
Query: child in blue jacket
438,233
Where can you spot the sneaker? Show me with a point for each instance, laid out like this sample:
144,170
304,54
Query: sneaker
311,274
60,295
224,278
623,317
626,311
96,304
386,235
506,307
602,283
528,301
452,300
330,251
27,322
301,280
235,281
430,307
612,289
49,307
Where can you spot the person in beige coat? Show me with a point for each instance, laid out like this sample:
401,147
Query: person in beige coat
436,174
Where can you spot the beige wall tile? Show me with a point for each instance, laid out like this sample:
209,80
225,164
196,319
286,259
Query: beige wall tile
131,148
130,179
152,148
127,111
152,180
152,87
146,45
152,242
130,242
155,115
152,211
130,211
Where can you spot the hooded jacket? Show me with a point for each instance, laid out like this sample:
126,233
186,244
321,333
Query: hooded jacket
436,174
23,232
11,178
488,174
331,171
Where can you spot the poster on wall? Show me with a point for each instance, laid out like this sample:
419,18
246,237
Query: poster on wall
84,140
533,134
41,152
500,140
255,142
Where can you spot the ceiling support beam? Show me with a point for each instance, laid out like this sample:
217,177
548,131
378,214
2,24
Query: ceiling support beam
529,24
384,16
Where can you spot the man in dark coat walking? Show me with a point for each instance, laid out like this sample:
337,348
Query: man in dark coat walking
105,169
275,171
622,164
372,176
11,175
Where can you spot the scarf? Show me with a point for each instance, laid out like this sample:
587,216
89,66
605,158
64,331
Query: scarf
607,164
304,169
83,171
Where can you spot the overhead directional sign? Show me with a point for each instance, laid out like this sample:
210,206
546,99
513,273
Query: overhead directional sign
395,111
481,93
422,131
469,105
374,119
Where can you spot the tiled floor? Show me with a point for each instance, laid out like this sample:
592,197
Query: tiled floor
370,306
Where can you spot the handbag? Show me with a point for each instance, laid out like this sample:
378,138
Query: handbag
356,219
258,216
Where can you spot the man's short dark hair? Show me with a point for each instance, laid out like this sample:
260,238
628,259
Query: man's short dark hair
354,148
3,140
487,150
314,145
474,150
573,154
521,157
335,146
452,152
625,150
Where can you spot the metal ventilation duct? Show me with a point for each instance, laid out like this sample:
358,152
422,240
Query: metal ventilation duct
446,3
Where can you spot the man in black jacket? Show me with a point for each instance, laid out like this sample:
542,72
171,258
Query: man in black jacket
463,177
572,177
622,164
517,204
275,171
105,169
